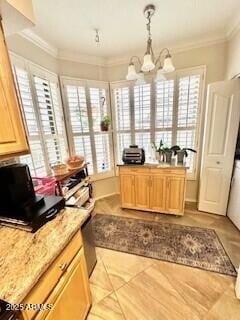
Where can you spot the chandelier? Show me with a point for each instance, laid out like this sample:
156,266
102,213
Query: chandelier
149,61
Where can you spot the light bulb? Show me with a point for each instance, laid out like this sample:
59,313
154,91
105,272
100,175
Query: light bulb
132,74
168,65
160,75
148,64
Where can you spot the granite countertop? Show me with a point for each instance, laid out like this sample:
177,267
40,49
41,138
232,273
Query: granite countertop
162,165
25,256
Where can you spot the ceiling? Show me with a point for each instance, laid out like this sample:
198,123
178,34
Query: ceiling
68,25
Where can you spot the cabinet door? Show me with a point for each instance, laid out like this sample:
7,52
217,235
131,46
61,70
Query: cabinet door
142,183
127,190
175,194
12,133
74,300
158,193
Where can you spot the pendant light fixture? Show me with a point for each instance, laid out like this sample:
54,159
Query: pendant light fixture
149,61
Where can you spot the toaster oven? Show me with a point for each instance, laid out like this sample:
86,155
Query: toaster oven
133,155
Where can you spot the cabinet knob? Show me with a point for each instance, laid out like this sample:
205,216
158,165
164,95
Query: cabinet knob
218,162
63,266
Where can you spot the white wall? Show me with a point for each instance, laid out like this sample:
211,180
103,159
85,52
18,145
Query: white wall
233,56
28,50
82,70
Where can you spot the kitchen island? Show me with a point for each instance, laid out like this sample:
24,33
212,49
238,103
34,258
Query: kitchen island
41,268
156,187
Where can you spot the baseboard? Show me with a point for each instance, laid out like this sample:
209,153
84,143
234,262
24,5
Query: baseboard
190,200
114,193
106,196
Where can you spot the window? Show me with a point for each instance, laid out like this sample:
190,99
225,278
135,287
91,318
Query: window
121,99
41,104
86,102
187,120
164,110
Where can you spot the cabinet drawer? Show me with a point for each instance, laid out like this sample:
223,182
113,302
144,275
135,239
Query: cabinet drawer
134,170
175,172
81,290
49,280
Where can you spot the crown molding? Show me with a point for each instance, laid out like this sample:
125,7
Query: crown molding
114,61
118,60
80,58
31,36
233,30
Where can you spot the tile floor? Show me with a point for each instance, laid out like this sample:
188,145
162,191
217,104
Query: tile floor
126,286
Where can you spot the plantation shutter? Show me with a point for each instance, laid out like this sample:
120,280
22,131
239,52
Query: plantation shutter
78,114
164,112
99,108
121,98
188,104
142,116
51,120
87,103
35,160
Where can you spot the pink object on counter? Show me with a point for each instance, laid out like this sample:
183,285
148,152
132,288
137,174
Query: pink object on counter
45,186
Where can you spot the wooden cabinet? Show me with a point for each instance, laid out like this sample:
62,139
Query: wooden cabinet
13,139
153,189
141,185
175,192
74,301
64,287
127,190
158,193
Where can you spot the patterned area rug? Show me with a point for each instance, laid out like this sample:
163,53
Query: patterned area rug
191,246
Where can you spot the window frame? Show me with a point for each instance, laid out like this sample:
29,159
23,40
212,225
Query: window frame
87,84
199,70
33,70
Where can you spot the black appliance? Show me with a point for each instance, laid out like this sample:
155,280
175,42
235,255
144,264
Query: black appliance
6,314
133,155
89,245
19,205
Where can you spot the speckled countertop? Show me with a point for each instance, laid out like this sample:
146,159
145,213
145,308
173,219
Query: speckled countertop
25,256
162,165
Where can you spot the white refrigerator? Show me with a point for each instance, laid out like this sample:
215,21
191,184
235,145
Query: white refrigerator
234,199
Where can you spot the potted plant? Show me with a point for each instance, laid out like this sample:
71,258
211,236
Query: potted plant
105,123
158,150
168,154
181,153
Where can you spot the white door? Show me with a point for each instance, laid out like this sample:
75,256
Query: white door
220,135
234,199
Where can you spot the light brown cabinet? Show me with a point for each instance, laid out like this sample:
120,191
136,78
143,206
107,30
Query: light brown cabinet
141,185
127,193
158,193
73,302
175,194
64,287
153,189
13,140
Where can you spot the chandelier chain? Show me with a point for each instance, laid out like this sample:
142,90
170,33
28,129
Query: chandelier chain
149,25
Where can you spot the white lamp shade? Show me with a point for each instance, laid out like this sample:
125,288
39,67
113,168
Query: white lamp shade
160,75
140,79
148,64
132,74
168,65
